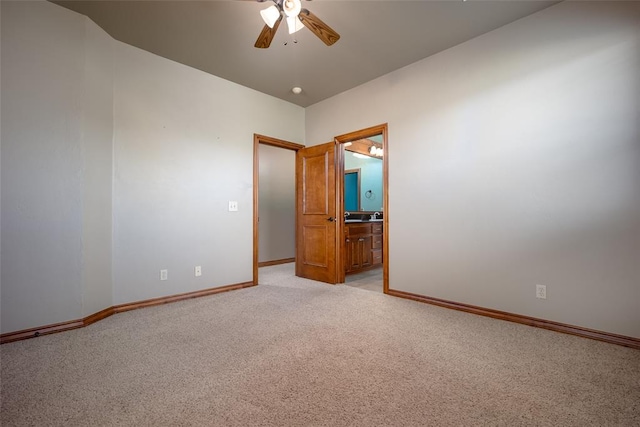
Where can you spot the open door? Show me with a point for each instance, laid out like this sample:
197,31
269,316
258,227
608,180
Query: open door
316,233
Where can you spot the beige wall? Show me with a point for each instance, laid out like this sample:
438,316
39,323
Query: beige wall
515,161
117,163
183,148
57,131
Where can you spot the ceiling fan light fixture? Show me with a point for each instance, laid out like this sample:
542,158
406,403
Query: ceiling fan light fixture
297,17
291,7
294,24
270,15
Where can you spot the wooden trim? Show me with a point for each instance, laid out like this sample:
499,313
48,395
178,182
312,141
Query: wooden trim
102,314
257,140
277,142
525,320
340,229
256,208
341,245
95,317
276,262
385,211
41,330
179,297
362,134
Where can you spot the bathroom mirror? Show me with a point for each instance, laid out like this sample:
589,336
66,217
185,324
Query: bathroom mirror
363,182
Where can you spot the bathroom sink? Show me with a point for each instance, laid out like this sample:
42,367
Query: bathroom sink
353,220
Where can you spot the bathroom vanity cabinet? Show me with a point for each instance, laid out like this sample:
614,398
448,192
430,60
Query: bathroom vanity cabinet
363,246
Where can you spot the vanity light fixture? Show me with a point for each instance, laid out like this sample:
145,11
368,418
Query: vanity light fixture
375,151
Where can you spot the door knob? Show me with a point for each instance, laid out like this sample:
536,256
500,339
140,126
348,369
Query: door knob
331,219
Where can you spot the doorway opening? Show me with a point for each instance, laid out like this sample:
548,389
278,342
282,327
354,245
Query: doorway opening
323,250
363,206
273,202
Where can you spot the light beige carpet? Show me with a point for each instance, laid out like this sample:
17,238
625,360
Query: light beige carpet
293,352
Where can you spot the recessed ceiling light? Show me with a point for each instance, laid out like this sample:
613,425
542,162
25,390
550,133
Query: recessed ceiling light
297,90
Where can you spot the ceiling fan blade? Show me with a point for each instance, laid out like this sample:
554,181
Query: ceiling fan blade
267,34
319,28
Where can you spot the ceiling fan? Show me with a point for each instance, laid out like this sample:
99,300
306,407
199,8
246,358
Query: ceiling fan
296,17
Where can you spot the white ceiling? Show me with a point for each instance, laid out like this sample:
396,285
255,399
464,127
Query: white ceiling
377,37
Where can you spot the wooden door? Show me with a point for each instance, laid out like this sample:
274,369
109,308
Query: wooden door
316,243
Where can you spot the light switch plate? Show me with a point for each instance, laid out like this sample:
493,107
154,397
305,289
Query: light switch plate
198,271
233,206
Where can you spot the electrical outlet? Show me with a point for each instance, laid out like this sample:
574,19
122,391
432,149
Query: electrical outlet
233,206
541,291
198,271
164,274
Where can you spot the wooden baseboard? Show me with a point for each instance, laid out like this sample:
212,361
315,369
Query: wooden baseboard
80,323
179,297
39,331
95,317
276,262
526,320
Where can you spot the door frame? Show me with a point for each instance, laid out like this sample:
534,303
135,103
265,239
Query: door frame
339,140
280,143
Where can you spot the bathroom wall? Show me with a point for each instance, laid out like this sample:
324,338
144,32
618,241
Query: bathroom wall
371,194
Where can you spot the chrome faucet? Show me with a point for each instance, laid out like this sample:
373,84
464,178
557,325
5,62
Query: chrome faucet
375,215
346,214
